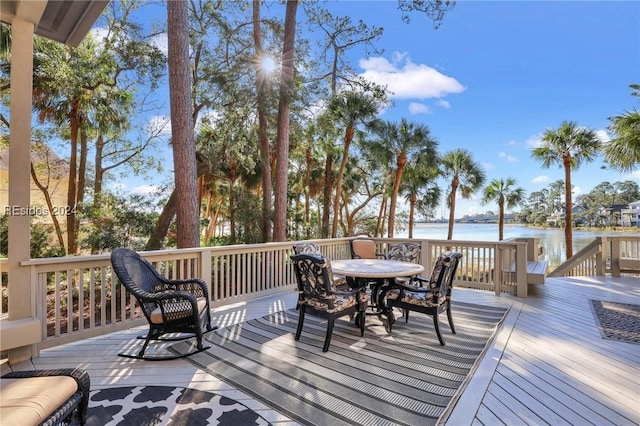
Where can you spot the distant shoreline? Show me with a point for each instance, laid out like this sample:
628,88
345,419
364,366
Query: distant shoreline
527,225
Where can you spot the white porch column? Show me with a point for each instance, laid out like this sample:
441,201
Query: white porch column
20,291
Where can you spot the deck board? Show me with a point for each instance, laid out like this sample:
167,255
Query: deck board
547,365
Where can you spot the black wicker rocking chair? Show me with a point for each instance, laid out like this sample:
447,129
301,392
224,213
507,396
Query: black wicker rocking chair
178,308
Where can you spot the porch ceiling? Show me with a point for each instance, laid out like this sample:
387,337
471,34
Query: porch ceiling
63,21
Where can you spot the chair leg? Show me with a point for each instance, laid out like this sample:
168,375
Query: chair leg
300,321
144,346
450,318
327,339
362,316
437,327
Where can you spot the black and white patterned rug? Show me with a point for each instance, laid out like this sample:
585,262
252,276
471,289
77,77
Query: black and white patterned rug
406,378
617,321
166,405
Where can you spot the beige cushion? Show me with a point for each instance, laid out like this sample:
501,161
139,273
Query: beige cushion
365,249
156,315
30,400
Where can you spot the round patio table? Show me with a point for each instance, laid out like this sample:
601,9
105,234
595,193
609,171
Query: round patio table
360,272
375,268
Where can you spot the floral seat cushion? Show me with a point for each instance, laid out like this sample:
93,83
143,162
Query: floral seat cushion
428,298
336,303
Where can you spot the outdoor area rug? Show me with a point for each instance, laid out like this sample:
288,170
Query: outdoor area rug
404,378
617,321
166,405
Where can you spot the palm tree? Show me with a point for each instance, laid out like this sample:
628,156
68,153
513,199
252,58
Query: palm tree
623,152
567,146
398,144
350,109
505,194
465,174
419,186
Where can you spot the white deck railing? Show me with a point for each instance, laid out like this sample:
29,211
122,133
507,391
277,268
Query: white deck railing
79,297
604,255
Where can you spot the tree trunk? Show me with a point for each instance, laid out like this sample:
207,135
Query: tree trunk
183,143
169,211
568,222
82,179
71,187
50,206
263,137
501,220
381,214
401,162
282,137
412,208
348,137
452,206
307,184
326,196
97,186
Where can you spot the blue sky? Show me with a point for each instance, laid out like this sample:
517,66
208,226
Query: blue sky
495,75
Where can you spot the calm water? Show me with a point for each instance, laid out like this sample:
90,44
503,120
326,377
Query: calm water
552,240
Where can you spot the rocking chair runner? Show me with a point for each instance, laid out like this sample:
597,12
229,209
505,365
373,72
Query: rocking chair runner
318,295
170,306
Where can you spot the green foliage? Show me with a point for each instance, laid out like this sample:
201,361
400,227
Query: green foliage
41,240
623,152
119,222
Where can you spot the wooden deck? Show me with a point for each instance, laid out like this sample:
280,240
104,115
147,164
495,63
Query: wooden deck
547,365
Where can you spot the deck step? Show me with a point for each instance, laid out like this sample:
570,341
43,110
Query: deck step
629,264
536,271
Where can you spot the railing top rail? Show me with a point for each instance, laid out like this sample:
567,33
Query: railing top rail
185,253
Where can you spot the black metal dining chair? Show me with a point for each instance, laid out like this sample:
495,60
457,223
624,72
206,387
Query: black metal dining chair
432,296
405,252
176,307
306,248
319,297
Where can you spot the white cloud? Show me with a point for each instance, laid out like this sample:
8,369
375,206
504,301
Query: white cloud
444,104
100,33
633,175
508,157
487,166
145,189
418,108
159,125
161,42
534,141
406,80
540,179
603,136
473,210
576,190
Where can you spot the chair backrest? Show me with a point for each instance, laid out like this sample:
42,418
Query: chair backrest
362,248
306,248
447,273
314,277
134,272
406,252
